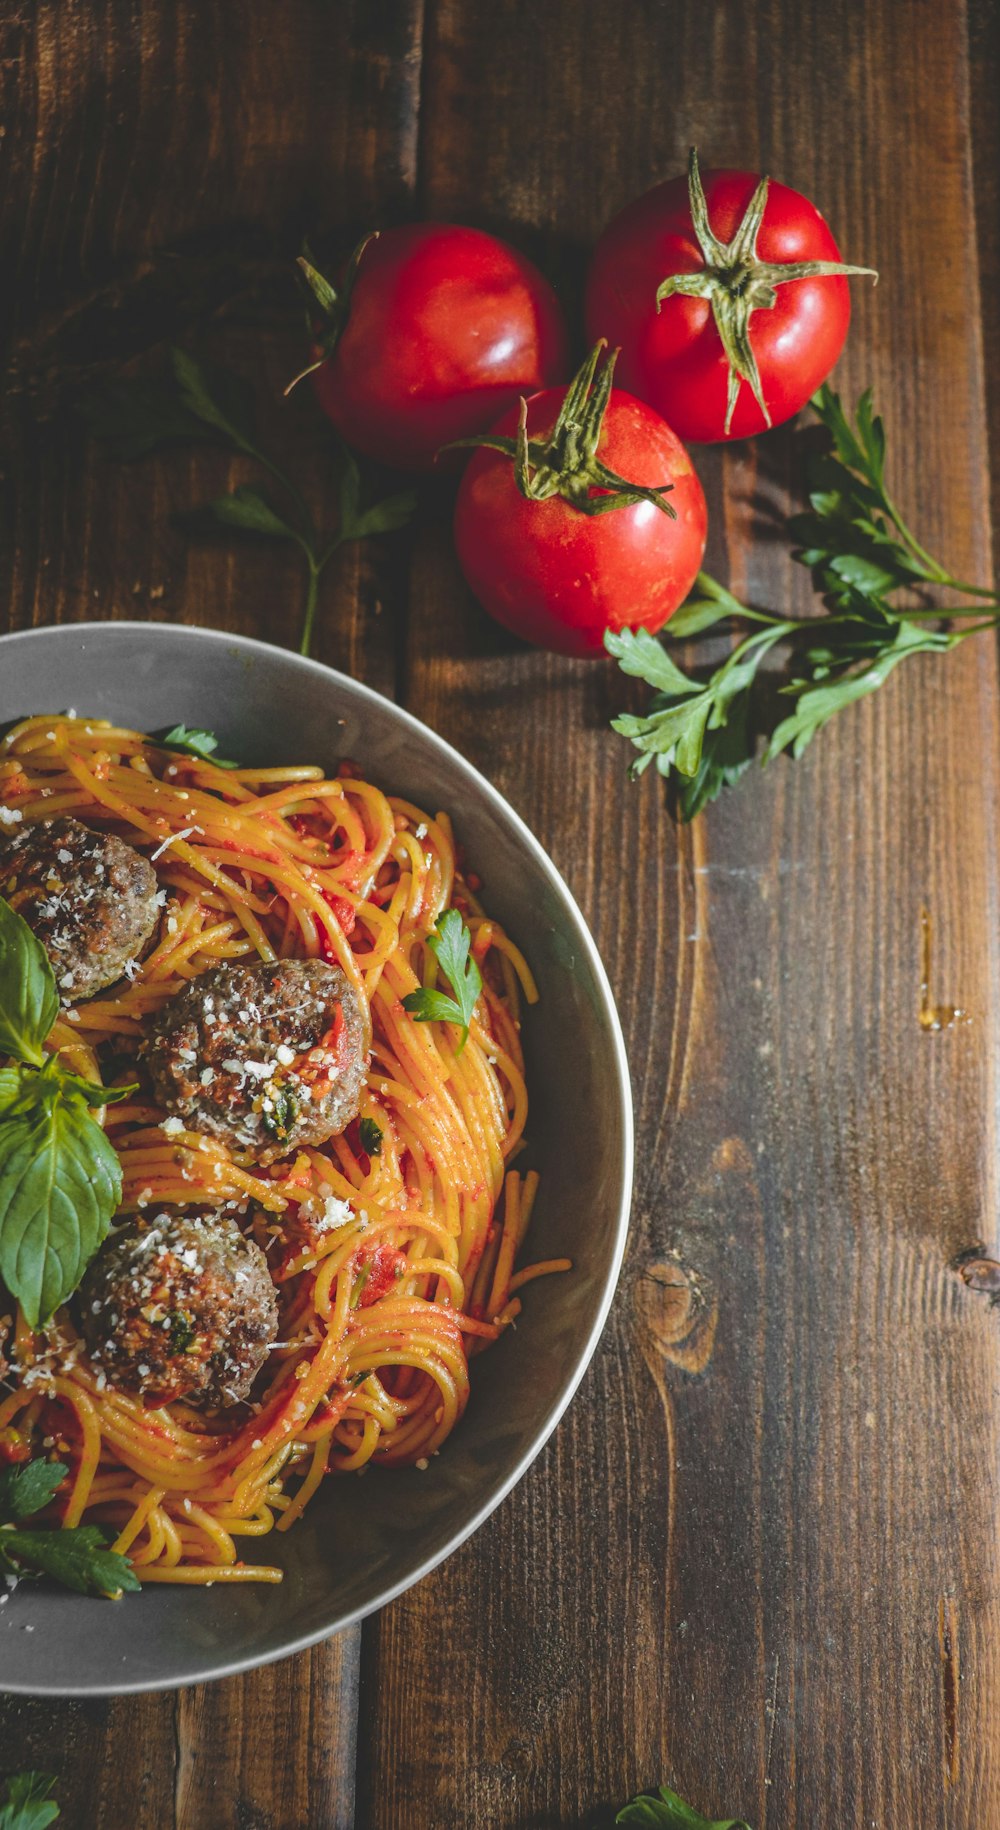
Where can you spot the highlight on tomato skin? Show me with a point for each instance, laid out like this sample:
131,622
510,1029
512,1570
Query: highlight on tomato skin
688,279
445,327
559,577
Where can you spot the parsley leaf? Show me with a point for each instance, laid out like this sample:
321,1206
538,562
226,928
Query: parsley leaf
29,1001
132,418
25,1487
28,1805
79,1558
667,1811
201,400
701,729
450,944
202,744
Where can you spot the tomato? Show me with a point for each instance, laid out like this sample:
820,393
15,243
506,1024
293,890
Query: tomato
437,330
576,535
753,303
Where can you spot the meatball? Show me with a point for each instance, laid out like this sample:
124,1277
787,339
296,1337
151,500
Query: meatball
181,1306
91,899
266,1057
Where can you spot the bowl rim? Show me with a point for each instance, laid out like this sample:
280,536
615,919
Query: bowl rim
268,652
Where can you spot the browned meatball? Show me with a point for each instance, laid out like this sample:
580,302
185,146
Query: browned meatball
90,899
266,1057
180,1306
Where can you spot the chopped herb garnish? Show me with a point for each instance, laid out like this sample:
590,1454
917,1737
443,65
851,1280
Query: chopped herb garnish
182,1332
284,1110
371,1137
360,1282
450,945
79,1557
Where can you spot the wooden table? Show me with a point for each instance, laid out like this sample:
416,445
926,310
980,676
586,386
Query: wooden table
759,1557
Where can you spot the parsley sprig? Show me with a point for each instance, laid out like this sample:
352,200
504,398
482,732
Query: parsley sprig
28,1805
702,731
60,1178
78,1557
188,742
201,401
450,944
667,1811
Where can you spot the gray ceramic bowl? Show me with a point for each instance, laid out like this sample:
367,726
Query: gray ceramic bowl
361,1542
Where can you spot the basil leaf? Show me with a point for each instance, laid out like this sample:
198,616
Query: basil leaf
60,1183
93,1093
28,1807
25,1487
78,1558
29,1001
668,1811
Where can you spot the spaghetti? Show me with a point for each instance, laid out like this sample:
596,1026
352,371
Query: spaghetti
392,1269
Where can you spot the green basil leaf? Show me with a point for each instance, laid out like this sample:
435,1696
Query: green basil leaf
78,1558
94,1093
28,1805
60,1183
29,1001
25,1487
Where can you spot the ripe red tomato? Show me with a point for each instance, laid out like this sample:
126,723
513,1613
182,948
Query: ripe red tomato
552,566
439,330
755,256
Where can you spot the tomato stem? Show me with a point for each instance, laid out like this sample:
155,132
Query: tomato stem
736,283
566,463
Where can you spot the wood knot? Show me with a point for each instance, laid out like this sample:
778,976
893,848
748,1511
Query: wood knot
678,1316
979,1271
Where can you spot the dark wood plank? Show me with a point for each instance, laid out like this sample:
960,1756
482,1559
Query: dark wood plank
759,1558
162,164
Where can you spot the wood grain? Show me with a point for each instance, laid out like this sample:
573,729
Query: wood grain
758,1559
168,161
730,1572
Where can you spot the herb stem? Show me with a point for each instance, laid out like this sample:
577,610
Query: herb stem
312,596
